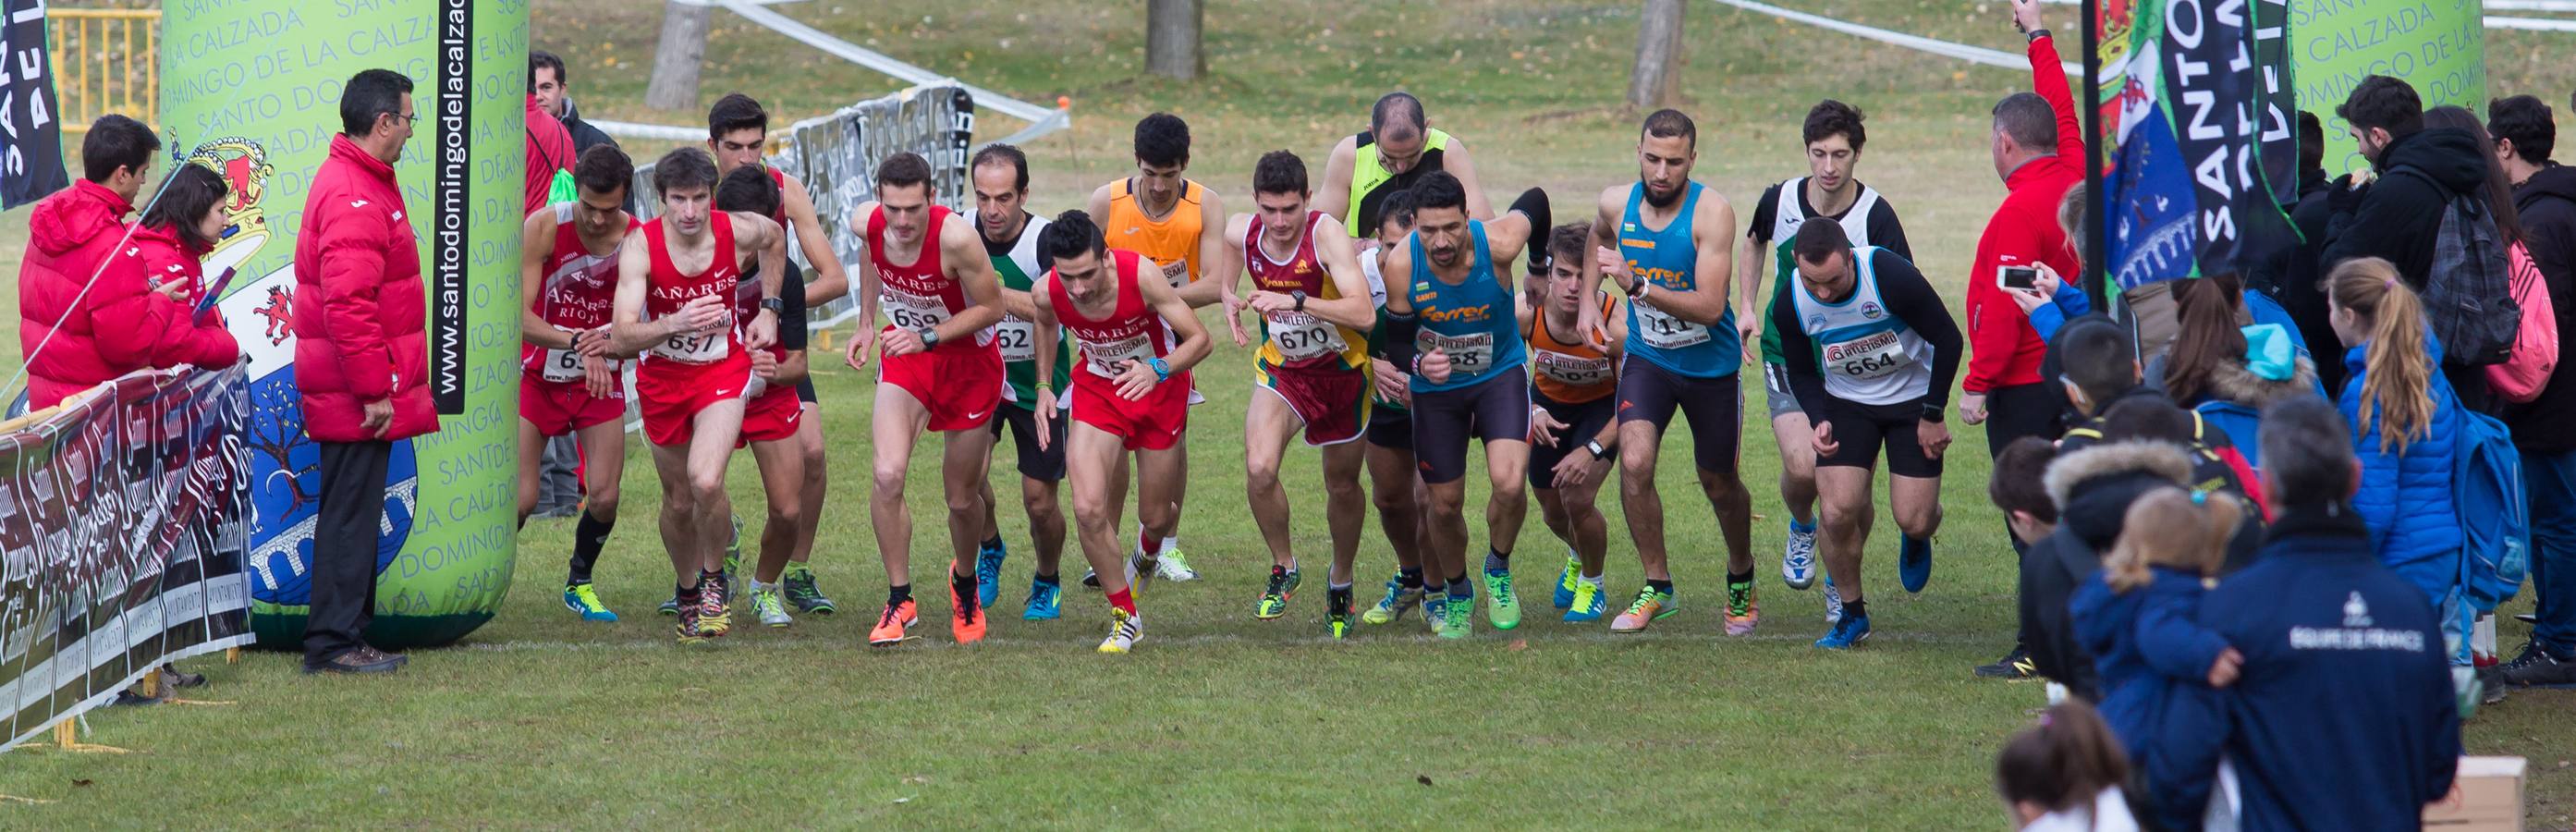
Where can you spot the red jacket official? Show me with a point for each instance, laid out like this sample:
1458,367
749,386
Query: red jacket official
2003,351
361,311
114,329
166,257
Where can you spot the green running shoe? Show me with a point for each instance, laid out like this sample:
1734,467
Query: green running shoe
1460,622
801,591
1435,610
584,599
1397,602
1274,597
1502,605
767,606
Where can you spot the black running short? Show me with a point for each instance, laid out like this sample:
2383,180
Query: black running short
1390,428
1585,420
1493,410
1860,430
1042,465
1714,406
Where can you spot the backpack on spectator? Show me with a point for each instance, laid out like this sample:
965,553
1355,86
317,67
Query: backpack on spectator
2495,526
2468,297
2535,349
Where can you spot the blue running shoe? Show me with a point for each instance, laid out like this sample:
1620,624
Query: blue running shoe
1589,604
1566,580
1913,563
988,573
1847,632
582,598
1833,602
1044,602
1435,610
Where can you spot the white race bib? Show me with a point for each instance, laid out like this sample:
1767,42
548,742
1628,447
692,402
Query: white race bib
1469,355
1109,358
1300,336
696,348
1873,356
1663,331
1571,370
913,312
1018,339
562,365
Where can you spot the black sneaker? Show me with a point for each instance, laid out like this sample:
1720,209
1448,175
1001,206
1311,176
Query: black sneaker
2014,665
2537,667
359,660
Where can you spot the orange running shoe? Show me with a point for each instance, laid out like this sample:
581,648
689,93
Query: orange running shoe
967,623
891,626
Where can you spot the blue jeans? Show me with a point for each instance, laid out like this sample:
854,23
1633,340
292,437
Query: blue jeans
2549,481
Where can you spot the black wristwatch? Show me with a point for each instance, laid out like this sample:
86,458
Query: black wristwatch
1598,453
1298,296
2036,34
774,305
929,337
1935,413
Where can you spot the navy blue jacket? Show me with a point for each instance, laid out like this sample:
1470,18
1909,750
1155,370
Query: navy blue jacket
2153,656
2344,718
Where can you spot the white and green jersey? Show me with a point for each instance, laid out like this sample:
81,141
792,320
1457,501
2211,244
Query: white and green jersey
1785,207
1863,349
1016,262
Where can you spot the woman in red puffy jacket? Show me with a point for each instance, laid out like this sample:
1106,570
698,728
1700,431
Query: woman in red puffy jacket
173,238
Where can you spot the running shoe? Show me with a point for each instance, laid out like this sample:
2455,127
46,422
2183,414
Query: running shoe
1565,582
1045,602
2014,665
768,606
583,598
1798,561
1397,602
1649,606
1173,567
966,618
1140,571
1125,629
1274,595
1833,602
1091,578
1435,610
802,593
1337,623
1742,609
2536,666
1913,562
687,628
893,623
715,614
1847,632
1590,603
671,607
1502,605
733,557
988,573
1461,619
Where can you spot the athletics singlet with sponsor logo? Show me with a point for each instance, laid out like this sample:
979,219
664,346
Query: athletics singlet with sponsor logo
1132,332
1371,183
1295,339
1669,259
1569,371
1016,262
579,293
1787,213
1866,355
1172,241
1472,321
668,290
919,296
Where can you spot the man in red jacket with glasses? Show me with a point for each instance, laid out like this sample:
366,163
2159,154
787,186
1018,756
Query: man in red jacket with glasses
361,358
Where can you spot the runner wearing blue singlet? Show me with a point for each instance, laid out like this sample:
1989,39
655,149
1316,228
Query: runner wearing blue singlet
1673,244
1455,324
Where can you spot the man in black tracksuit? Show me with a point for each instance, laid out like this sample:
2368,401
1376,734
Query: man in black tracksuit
2544,194
2398,216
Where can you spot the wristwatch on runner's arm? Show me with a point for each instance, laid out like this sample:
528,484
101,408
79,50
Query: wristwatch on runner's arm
929,337
1598,453
1933,413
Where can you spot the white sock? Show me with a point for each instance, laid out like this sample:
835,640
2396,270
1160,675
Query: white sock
1172,543
1594,580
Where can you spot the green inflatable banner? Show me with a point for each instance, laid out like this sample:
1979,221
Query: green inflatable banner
2439,46
251,88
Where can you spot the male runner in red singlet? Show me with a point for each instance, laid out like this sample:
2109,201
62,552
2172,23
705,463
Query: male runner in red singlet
568,383
1314,367
1130,393
738,133
696,365
941,371
772,417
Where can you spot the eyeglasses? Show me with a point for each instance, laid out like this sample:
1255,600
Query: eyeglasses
406,119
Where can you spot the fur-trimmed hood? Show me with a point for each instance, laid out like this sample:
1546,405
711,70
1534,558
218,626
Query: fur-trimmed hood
2094,486
2233,381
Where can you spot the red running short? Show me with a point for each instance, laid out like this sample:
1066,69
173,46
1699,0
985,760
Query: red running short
960,385
1334,403
671,393
1153,423
558,408
772,416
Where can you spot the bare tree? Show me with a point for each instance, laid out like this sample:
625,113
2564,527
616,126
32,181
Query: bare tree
1172,38
677,58
1655,80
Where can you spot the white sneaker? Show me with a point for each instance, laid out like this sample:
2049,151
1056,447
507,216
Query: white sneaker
1124,631
1140,572
1798,560
1833,603
766,603
1173,567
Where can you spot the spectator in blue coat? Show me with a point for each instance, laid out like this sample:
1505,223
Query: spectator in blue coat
2140,618
2404,421
2344,715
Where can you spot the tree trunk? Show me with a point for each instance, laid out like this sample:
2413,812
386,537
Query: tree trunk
1655,81
677,58
1172,38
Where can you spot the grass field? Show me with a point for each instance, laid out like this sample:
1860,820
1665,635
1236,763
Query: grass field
539,720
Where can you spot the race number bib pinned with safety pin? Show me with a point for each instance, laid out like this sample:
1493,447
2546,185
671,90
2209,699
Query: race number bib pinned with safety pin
563,365
1109,358
914,312
1017,337
1665,332
1301,336
696,348
1470,355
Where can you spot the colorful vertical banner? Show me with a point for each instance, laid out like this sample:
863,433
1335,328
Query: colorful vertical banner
2438,46
251,88
2189,112
31,138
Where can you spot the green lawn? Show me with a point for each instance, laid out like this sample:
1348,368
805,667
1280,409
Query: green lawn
1219,719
